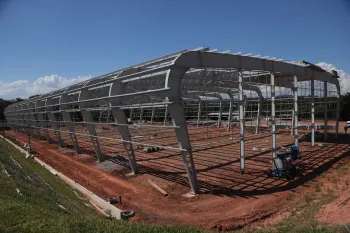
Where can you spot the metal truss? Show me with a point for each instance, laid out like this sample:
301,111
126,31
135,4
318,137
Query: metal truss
184,86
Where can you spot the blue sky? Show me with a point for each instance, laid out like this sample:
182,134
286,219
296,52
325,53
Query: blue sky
69,40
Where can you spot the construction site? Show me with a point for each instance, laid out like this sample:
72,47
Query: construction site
198,137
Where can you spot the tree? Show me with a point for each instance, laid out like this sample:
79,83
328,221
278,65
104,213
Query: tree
33,96
18,99
345,107
4,104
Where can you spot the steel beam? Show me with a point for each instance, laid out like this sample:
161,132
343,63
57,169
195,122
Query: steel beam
200,59
217,60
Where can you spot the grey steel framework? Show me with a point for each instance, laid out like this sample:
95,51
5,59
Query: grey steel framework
189,88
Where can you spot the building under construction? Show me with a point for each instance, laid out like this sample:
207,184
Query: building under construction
190,100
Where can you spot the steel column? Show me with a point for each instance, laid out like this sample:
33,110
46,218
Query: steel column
337,113
273,115
42,120
141,114
152,116
70,126
27,122
312,112
123,129
43,125
258,118
325,111
229,116
293,118
87,116
34,123
166,115
56,130
177,113
220,114
241,122
199,112
131,113
51,116
295,95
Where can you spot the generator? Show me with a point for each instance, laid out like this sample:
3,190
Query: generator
282,165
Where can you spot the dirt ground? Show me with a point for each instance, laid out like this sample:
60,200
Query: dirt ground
338,211
228,198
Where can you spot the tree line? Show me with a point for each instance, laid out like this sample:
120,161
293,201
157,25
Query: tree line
5,103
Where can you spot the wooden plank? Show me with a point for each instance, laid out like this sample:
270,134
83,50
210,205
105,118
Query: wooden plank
157,187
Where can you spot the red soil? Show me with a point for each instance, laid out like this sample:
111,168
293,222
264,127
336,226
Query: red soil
227,197
338,211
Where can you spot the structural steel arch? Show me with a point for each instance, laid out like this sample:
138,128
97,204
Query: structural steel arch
164,82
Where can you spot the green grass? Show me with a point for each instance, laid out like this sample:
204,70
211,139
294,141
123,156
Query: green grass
37,209
318,187
343,170
303,216
303,219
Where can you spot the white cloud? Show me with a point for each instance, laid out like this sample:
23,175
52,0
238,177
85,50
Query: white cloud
344,76
25,88
12,89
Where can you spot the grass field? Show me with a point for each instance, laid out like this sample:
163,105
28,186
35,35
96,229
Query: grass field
34,200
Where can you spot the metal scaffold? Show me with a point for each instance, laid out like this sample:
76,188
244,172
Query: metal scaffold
182,102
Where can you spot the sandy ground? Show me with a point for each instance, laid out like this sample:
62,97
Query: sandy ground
227,198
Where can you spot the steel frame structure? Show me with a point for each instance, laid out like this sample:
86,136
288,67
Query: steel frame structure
168,84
